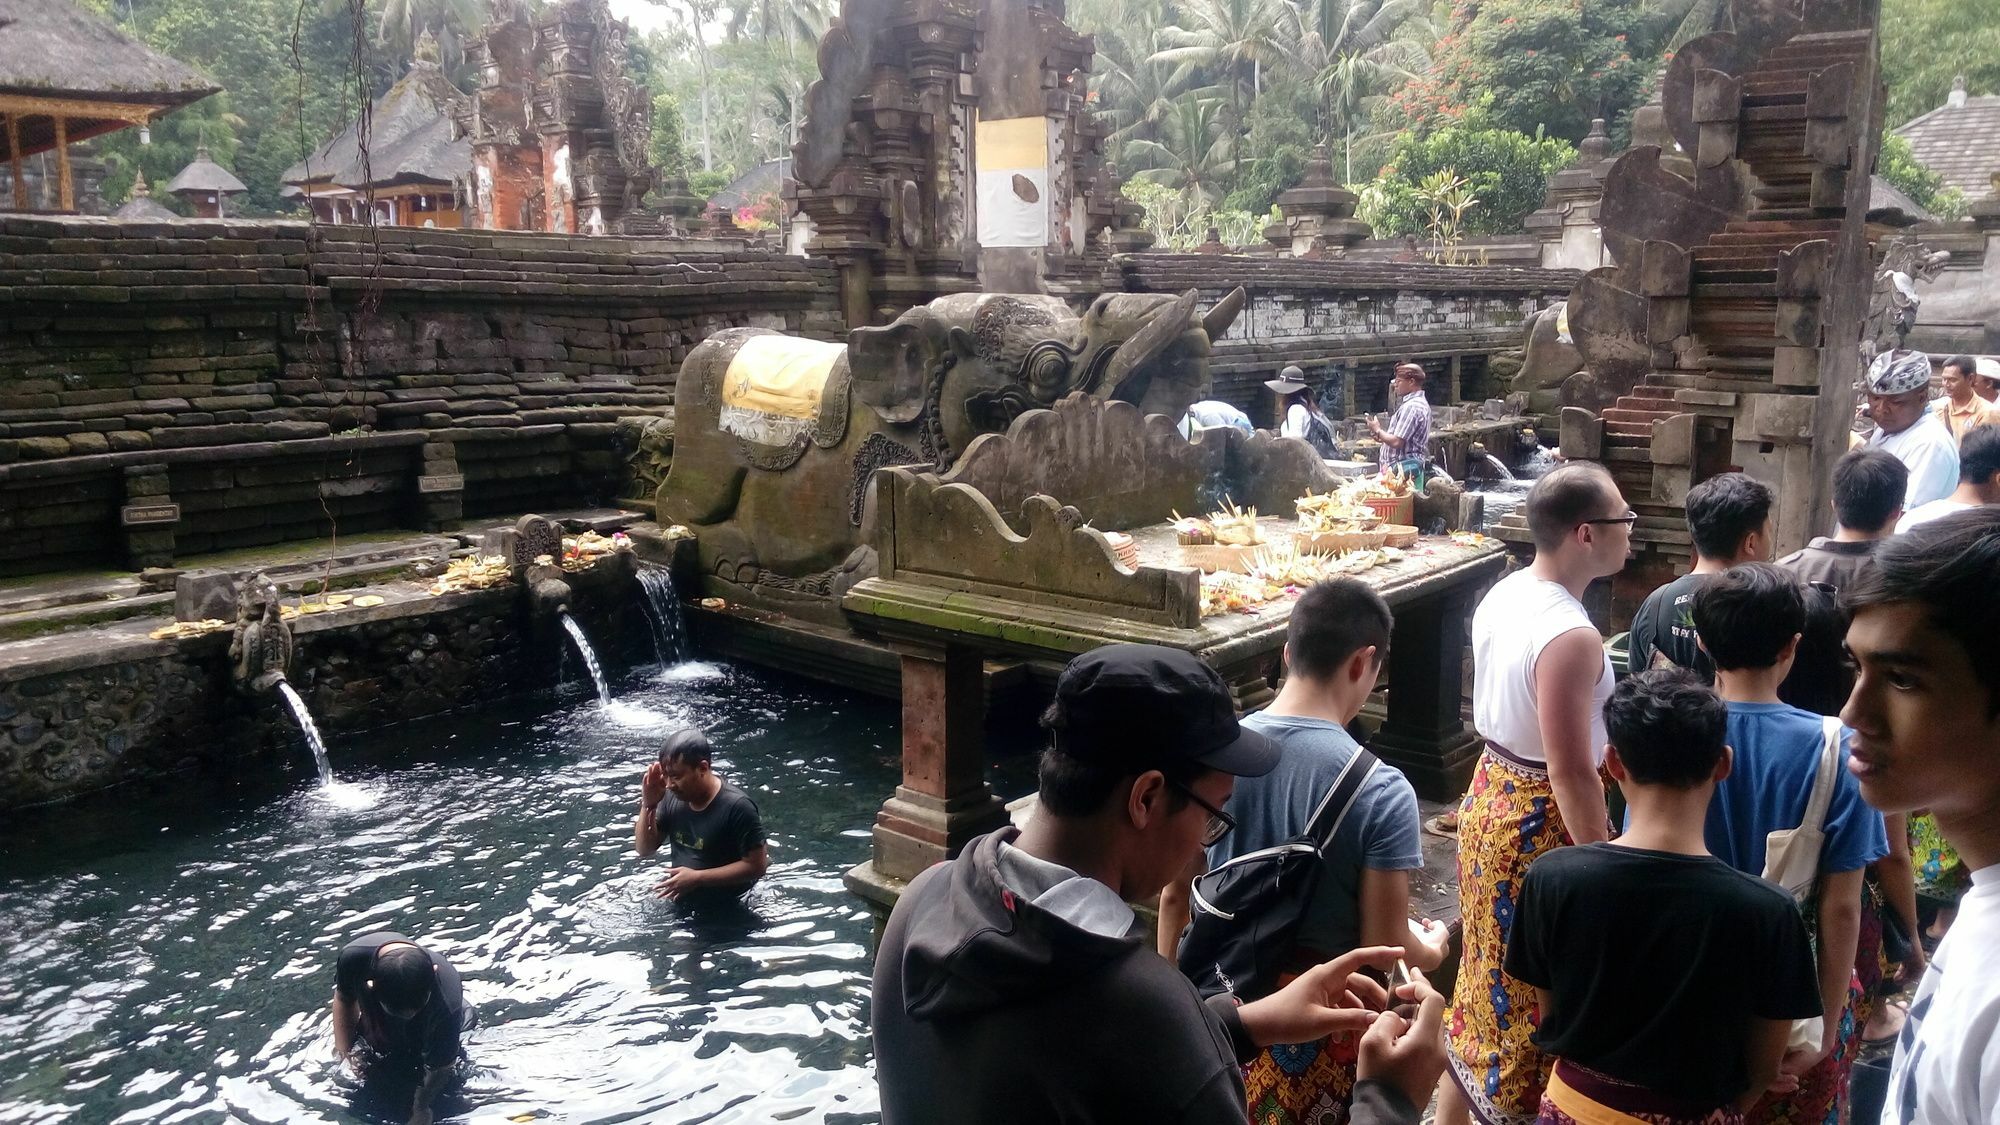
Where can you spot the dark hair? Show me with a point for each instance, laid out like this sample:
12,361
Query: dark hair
686,746
1072,786
1868,488
1332,621
1950,567
1746,615
1979,455
1967,366
1723,510
402,978
1667,726
1564,497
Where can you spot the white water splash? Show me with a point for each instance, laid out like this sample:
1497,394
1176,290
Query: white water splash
307,728
589,656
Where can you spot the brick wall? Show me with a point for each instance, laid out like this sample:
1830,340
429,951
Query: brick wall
174,388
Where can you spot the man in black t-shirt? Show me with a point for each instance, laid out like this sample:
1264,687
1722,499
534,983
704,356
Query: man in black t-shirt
407,1007
1668,981
714,834
1729,520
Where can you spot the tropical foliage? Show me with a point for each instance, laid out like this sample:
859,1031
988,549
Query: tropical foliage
1505,171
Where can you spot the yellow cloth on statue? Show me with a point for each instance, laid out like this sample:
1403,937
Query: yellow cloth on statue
772,389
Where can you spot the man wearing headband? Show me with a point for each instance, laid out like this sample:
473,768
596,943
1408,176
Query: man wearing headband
1898,385
1986,378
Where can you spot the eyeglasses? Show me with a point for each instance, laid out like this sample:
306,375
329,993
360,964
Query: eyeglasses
1628,519
1220,823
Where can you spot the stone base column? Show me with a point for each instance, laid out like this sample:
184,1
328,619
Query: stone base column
943,801
1425,735
440,487
148,518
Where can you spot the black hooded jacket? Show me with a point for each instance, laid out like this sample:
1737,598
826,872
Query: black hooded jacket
989,1009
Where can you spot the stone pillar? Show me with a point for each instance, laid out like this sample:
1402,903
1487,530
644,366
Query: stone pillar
148,518
1425,735
440,487
1317,209
943,801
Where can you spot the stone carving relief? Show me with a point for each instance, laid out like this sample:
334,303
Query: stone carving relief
260,651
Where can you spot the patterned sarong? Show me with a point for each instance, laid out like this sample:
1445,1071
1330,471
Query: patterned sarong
1508,820
1941,874
1821,1098
1579,1096
1302,1083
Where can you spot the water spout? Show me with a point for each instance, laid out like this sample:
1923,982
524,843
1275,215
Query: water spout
307,727
1499,467
663,611
589,656
1540,461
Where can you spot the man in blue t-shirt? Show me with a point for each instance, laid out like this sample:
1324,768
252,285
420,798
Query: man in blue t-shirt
1334,646
1749,619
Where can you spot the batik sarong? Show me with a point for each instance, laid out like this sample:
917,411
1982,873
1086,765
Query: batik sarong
1302,1083
1507,820
1941,874
1579,1096
1822,1093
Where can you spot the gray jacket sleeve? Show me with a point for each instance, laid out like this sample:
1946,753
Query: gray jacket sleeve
1378,1103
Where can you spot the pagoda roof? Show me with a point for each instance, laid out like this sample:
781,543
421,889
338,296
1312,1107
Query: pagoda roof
203,174
58,58
410,139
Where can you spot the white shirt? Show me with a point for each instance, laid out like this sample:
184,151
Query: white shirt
1514,622
1928,451
1925,513
1295,425
1947,1068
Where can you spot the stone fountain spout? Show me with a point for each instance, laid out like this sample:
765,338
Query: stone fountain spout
261,650
535,555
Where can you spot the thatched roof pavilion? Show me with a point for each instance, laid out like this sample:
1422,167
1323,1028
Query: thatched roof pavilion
67,75
142,207
204,183
415,158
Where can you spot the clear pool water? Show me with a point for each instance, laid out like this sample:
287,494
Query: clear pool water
169,947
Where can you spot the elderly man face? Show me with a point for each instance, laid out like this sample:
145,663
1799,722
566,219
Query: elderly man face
1898,412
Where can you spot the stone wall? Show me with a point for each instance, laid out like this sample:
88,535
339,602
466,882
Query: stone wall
82,717
1348,322
1961,305
173,388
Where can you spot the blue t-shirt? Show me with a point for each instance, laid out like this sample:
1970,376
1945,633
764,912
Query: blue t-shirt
1381,830
1777,752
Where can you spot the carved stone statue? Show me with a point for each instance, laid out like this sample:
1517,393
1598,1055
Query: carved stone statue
647,443
1892,303
261,649
782,434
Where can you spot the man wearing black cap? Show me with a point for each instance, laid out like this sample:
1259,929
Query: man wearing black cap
405,1004
1015,984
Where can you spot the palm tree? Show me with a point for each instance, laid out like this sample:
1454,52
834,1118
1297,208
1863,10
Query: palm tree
1233,41
1196,152
1352,50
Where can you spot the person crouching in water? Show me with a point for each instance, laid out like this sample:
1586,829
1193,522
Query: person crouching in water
398,1010
713,829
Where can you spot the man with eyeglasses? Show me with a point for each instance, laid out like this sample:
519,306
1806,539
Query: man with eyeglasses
1540,679
1334,647
1014,983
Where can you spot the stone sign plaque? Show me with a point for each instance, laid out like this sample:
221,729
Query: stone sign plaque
149,515
452,483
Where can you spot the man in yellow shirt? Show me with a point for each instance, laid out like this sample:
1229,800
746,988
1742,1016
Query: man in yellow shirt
1961,409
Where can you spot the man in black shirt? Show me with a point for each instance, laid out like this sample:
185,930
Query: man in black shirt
406,1004
1868,488
1668,981
714,833
1729,519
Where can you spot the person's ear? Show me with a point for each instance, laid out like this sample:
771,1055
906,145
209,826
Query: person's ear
1726,766
1285,656
1362,665
1615,765
1791,649
1146,801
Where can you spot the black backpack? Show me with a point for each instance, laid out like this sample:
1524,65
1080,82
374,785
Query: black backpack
1319,435
1245,914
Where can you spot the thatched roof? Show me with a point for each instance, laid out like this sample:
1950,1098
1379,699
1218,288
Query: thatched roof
142,207
54,49
203,174
409,139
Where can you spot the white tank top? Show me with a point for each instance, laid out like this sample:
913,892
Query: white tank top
1514,622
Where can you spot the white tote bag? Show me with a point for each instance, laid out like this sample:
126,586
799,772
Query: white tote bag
1791,855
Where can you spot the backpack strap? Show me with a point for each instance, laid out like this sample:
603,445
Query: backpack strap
1340,796
1823,778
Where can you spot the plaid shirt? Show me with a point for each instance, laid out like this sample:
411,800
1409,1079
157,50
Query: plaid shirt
1412,423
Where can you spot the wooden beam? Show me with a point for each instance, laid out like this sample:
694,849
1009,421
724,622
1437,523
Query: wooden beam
14,161
129,112
68,196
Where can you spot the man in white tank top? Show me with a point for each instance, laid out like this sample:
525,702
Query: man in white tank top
1540,679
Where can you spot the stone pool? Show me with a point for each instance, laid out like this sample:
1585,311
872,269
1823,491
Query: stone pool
169,946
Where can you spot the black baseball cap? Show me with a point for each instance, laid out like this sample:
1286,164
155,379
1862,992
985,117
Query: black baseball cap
1150,707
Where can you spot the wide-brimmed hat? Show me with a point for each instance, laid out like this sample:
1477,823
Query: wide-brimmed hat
1290,381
